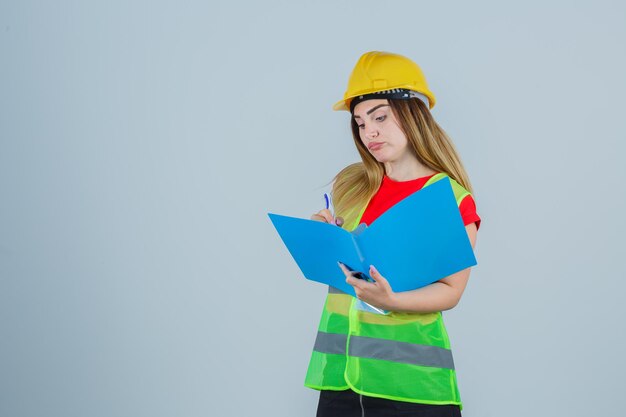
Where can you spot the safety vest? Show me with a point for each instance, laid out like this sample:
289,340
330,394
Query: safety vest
398,356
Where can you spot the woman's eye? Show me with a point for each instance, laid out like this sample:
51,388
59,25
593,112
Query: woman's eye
381,118
361,126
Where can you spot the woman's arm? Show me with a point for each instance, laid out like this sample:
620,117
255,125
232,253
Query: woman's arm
438,296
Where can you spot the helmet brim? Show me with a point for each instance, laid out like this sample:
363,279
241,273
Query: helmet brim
340,105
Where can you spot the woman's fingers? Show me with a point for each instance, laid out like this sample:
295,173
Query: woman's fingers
326,216
350,279
357,283
344,269
377,293
323,216
376,275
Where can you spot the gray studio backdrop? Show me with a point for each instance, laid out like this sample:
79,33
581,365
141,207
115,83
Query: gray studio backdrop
143,143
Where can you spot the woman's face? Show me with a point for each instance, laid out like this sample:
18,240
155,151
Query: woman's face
379,130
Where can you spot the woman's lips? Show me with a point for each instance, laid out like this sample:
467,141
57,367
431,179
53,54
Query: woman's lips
375,145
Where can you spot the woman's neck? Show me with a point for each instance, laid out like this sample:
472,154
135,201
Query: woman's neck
408,170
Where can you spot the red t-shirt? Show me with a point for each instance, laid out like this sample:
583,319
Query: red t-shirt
391,192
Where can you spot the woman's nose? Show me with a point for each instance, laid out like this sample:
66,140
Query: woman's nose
371,132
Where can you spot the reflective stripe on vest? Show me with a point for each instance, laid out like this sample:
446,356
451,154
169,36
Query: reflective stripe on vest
332,343
388,350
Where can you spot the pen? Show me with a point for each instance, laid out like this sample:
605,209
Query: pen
329,206
329,203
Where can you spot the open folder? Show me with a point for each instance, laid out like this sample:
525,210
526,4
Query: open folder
416,242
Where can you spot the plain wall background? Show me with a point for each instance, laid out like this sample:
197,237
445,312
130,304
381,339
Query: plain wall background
143,143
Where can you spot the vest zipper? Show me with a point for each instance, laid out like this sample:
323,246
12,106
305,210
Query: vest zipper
361,402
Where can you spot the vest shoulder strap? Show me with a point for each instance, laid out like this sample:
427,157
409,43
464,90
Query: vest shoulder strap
459,191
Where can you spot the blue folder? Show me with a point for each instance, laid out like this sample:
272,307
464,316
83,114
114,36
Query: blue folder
416,242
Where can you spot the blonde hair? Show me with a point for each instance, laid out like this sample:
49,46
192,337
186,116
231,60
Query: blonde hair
357,183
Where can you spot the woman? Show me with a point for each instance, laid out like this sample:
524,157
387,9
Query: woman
364,362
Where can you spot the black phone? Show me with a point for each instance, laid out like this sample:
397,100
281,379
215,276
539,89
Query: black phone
359,274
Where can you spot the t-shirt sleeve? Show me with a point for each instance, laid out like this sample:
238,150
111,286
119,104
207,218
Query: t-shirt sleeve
468,211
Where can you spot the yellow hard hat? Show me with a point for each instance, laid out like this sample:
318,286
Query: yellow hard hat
377,72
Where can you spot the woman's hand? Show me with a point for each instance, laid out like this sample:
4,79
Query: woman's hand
378,293
326,216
